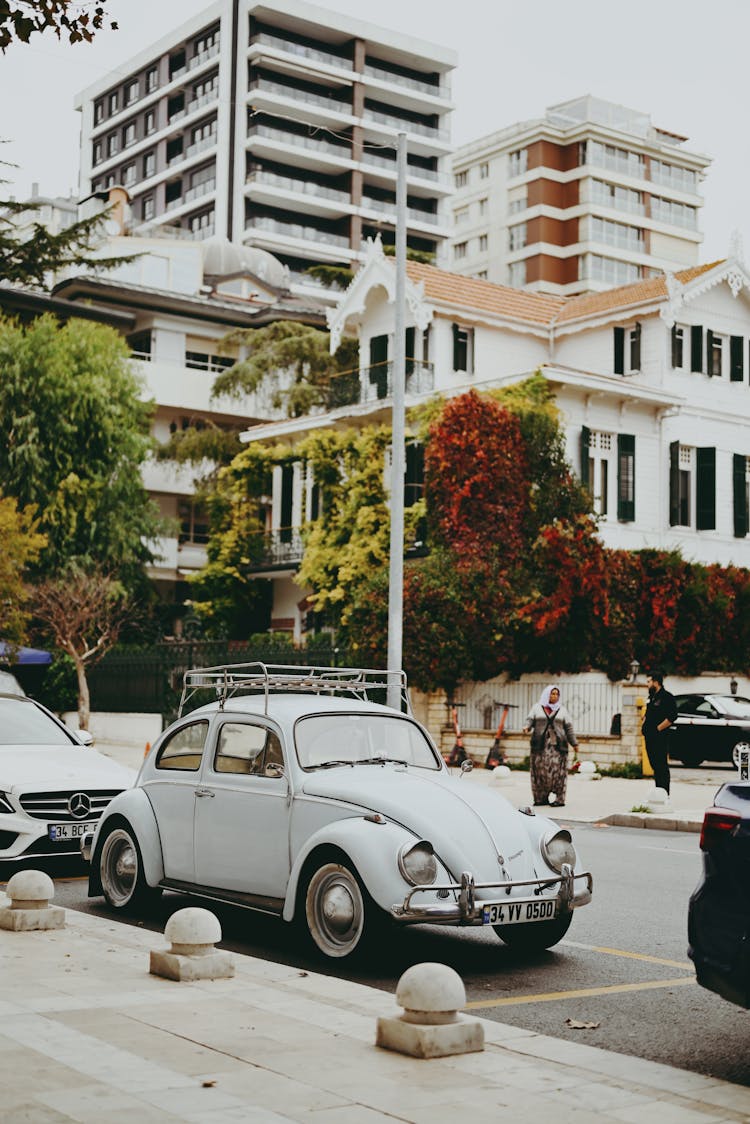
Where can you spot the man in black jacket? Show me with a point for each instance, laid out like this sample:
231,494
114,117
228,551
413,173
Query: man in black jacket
661,712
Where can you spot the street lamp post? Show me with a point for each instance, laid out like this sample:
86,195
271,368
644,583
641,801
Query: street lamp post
398,453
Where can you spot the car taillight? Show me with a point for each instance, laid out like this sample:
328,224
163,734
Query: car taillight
718,823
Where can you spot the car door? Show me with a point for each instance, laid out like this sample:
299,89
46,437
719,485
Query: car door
171,790
241,835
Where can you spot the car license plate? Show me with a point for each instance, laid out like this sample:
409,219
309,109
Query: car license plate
519,913
60,832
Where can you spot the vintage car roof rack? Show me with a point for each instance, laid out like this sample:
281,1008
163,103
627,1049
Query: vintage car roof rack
228,680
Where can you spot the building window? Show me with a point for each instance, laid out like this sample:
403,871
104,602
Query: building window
148,208
517,274
482,243
206,42
484,171
98,152
113,144
678,346
616,198
674,214
461,179
112,103
736,359
463,348
613,234
152,79
627,344
129,135
459,250
519,162
616,159
741,494
194,524
202,225
149,122
714,352
609,270
692,487
626,477
149,164
517,236
597,473
461,216
98,112
128,175
518,204
482,208
132,92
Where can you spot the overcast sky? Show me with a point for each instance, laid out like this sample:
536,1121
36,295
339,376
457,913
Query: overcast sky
684,62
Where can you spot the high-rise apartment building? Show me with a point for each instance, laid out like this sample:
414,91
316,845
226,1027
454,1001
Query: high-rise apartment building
590,196
276,125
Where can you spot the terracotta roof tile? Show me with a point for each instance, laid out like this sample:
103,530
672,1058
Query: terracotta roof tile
538,308
484,296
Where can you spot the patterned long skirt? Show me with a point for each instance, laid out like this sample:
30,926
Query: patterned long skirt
549,775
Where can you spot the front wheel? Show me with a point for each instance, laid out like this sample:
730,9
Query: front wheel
338,910
736,750
537,935
691,760
121,871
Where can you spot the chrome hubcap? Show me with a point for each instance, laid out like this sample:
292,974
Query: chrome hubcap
338,909
335,910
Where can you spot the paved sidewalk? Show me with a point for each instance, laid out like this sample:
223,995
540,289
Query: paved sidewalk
608,800
88,1035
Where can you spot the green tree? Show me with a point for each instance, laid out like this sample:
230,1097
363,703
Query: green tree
74,433
21,547
78,20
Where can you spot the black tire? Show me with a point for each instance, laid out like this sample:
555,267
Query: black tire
340,918
537,935
121,870
691,760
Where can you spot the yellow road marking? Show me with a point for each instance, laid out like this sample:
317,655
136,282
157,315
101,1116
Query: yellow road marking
632,955
580,993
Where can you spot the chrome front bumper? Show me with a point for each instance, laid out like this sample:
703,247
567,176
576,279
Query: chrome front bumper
467,909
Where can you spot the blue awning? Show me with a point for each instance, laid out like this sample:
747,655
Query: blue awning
23,655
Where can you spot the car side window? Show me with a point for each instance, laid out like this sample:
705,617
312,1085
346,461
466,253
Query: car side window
706,709
244,748
184,749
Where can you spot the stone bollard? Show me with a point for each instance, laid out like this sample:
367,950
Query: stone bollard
431,1025
192,933
587,771
657,800
30,892
501,774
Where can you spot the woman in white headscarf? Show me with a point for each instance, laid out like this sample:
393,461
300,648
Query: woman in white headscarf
551,730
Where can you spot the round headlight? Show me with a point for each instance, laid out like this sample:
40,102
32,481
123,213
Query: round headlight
417,863
557,848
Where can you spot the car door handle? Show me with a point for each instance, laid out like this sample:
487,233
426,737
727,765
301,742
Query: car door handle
204,792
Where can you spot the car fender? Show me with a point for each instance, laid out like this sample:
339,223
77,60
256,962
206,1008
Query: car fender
134,806
373,848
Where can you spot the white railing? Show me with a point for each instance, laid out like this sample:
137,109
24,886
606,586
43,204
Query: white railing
403,80
301,51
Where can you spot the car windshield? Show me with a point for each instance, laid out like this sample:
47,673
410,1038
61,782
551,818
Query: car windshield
325,740
736,707
23,723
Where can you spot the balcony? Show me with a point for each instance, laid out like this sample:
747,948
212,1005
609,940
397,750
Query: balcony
294,140
297,230
200,145
314,54
304,187
408,83
413,171
383,207
265,85
375,384
402,124
200,189
203,56
203,99
276,550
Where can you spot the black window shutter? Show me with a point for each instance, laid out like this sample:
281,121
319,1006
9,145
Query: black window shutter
739,492
674,483
585,438
460,348
705,489
675,348
619,351
626,477
635,348
287,491
736,359
409,347
696,348
709,352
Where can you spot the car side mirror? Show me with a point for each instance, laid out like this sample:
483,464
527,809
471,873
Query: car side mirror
274,770
85,737
467,766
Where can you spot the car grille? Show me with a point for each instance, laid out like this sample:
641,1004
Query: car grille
54,805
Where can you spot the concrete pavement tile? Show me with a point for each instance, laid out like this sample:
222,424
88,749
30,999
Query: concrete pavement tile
188,1103
247,1114
350,1114
601,1096
31,1111
92,1104
662,1112
263,1089
727,1096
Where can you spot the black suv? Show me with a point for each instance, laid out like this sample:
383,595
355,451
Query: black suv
709,728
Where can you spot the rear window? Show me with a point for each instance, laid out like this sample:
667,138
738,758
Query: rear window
23,723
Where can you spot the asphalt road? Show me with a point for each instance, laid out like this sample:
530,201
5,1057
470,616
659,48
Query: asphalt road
622,967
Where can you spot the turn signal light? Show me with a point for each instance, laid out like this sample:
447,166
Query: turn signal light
717,824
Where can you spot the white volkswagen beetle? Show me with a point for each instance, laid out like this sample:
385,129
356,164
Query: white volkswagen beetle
296,794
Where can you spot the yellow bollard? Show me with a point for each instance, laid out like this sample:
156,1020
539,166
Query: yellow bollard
645,763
